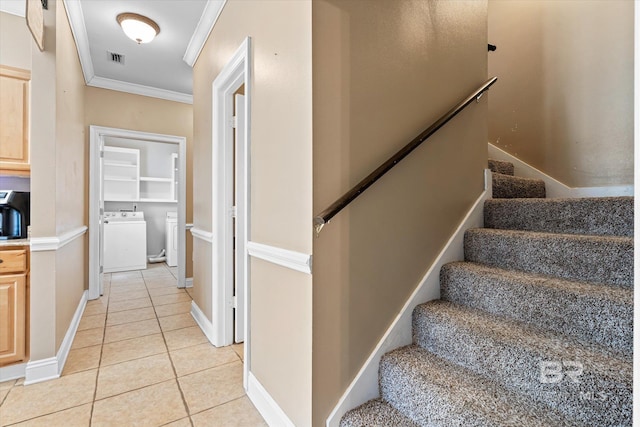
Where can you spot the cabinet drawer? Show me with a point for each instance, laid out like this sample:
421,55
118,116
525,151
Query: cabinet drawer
13,261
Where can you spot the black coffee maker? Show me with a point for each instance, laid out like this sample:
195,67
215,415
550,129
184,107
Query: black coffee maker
14,214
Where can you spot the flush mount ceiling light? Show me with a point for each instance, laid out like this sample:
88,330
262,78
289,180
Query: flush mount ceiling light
137,27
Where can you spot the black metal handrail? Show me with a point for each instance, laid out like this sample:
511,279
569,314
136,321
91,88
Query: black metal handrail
325,216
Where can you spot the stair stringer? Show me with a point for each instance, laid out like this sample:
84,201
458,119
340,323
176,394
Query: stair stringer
364,386
555,188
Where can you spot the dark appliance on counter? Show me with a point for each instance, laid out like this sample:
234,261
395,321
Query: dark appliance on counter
14,214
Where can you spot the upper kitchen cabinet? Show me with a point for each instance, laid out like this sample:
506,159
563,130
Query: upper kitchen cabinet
14,121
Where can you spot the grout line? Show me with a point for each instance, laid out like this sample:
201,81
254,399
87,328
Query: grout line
175,373
50,413
223,403
210,367
134,389
104,334
8,392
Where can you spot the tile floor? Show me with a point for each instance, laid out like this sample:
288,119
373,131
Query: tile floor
138,359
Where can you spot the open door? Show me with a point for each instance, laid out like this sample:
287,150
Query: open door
101,218
96,212
239,305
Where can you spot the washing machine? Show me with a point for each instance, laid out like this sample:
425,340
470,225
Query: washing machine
172,239
125,241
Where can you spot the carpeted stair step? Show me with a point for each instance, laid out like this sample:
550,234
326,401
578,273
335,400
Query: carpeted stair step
585,311
596,216
580,381
498,166
509,187
434,392
604,259
375,413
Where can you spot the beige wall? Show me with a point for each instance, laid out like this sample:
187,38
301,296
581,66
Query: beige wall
71,171
564,99
281,132
127,111
43,187
15,41
58,183
382,72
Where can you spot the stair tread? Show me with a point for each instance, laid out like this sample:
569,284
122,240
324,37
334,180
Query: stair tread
514,355
508,186
500,166
510,331
376,412
593,216
585,311
434,391
570,256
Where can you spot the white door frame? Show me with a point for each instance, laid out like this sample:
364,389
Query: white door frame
97,134
236,73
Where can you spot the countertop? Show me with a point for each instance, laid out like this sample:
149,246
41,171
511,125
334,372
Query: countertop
14,242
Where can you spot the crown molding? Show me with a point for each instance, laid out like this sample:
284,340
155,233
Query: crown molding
79,30
14,7
76,20
137,89
209,17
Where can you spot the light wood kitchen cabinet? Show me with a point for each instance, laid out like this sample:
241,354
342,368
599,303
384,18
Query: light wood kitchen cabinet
14,120
14,285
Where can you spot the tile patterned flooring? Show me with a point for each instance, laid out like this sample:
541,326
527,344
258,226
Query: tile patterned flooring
138,359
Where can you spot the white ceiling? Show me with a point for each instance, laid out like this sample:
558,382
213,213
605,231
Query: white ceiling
161,68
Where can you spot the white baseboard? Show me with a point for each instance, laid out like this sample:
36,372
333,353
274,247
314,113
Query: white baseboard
364,386
188,282
205,324
47,369
264,403
555,188
41,370
65,347
12,372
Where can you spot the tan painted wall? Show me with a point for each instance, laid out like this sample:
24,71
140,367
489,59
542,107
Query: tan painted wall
58,185
43,188
126,111
281,132
382,72
564,100
15,41
71,171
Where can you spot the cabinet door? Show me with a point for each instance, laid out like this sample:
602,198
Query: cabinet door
12,318
14,116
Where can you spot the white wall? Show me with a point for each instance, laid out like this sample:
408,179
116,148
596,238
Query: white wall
154,215
155,161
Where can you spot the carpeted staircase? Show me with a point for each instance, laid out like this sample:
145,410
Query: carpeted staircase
534,328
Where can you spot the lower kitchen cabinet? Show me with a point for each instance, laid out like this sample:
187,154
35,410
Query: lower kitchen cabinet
13,306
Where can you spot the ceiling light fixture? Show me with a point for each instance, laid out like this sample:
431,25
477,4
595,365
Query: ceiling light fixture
137,27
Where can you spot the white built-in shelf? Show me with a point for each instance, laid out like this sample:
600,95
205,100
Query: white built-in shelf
154,179
123,182
158,200
119,178
121,174
120,164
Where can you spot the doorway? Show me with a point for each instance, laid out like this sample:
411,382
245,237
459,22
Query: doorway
98,137
231,203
